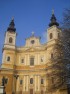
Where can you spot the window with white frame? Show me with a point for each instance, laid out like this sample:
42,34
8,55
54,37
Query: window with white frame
31,80
10,40
31,61
21,82
42,81
22,60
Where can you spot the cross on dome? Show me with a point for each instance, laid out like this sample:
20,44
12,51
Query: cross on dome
32,33
52,11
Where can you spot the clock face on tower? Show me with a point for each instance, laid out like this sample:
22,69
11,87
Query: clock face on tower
32,41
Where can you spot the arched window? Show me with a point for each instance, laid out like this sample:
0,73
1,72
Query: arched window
10,40
51,35
31,80
8,58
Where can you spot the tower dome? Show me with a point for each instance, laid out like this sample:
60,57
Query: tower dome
53,20
11,27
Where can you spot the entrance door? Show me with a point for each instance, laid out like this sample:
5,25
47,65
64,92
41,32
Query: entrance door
41,91
31,91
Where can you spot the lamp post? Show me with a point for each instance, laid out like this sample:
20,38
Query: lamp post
3,84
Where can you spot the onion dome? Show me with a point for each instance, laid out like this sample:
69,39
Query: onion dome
53,20
11,27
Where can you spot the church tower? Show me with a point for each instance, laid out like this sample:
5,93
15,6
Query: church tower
10,36
53,31
9,44
53,35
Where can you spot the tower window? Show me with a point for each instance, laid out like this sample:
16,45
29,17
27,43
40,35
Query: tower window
52,55
32,61
52,80
42,81
58,35
31,80
10,40
51,35
8,58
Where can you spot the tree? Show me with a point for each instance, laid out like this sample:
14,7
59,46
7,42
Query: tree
66,43
66,19
59,67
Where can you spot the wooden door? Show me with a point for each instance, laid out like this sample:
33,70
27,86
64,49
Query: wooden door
31,91
41,91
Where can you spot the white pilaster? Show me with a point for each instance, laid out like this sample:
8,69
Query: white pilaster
24,83
17,85
28,59
38,83
25,59
38,62
45,83
27,83
3,58
35,83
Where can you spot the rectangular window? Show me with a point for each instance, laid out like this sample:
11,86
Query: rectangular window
52,80
31,61
21,82
51,55
31,80
42,81
6,80
22,60
51,36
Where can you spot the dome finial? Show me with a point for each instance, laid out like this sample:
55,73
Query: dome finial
53,20
32,33
12,17
52,11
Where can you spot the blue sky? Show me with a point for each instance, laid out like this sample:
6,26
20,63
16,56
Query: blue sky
29,15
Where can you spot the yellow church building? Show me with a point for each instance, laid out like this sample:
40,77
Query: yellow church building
25,68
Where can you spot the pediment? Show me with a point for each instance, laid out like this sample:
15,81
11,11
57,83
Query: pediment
31,49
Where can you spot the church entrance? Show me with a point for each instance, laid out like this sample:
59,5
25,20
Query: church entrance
42,92
31,91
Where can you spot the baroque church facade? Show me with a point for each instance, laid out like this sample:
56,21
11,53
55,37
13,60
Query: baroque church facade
25,67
